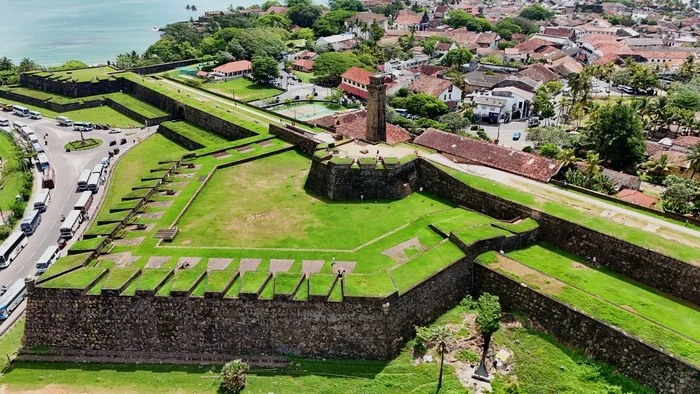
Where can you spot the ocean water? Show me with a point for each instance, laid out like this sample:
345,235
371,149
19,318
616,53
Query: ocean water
93,31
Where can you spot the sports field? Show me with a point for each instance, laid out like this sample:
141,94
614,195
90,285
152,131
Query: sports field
304,111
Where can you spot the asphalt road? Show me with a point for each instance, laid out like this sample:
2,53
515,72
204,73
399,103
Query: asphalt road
67,166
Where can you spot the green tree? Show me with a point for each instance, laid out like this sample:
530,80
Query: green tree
536,12
348,5
592,165
443,339
69,65
332,23
548,135
506,28
678,195
273,20
331,65
454,121
304,15
457,57
377,31
233,376
549,150
6,64
304,34
421,104
270,3
182,32
265,68
460,18
658,167
488,321
567,157
27,65
616,133
527,26
693,156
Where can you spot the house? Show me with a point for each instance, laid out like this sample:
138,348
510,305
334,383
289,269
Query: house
440,11
305,55
472,151
490,109
415,62
502,104
563,32
232,70
441,48
441,88
637,198
209,15
520,100
277,10
520,81
540,73
360,23
482,80
355,80
488,40
681,144
303,65
407,20
338,42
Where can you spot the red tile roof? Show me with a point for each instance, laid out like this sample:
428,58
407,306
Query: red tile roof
539,72
609,58
636,197
686,140
490,155
355,91
367,17
429,85
443,46
336,119
359,75
559,32
305,64
429,69
241,65
358,129
486,38
406,18
531,45
277,10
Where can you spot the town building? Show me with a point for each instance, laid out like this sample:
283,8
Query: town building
354,81
232,70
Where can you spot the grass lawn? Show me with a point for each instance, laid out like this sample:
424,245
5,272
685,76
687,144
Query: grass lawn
88,143
195,133
102,114
11,175
305,77
135,164
613,287
83,75
633,235
263,204
147,110
625,316
244,89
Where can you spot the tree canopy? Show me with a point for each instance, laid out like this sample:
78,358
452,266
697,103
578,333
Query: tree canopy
489,314
616,134
332,23
420,104
349,5
332,64
303,15
460,18
265,68
457,57
536,12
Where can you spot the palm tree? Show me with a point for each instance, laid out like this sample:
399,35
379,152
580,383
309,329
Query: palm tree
592,164
659,111
567,157
442,337
658,166
693,156
194,9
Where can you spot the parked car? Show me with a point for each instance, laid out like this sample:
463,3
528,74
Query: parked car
533,122
122,141
112,143
516,136
115,131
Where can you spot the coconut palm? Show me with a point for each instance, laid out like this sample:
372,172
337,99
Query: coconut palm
442,338
567,157
580,85
660,112
592,164
641,105
693,157
659,166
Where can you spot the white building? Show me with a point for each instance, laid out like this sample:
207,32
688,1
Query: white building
339,42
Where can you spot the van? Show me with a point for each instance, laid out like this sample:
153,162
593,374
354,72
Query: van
4,122
64,121
105,161
34,115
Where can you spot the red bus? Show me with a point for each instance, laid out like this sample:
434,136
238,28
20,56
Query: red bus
48,179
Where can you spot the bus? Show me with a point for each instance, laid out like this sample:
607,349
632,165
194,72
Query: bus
43,161
12,298
4,122
84,202
31,222
48,178
71,224
98,169
47,259
83,179
42,200
83,126
37,147
94,182
11,248
20,111
20,127
64,121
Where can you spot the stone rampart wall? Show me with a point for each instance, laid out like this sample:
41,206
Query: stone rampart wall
645,363
306,141
178,138
636,262
341,182
159,68
72,89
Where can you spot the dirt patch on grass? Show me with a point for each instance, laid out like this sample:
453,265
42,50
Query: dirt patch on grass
220,155
164,193
177,184
579,266
244,149
157,261
187,175
128,241
121,260
349,266
311,266
265,143
280,265
187,262
186,242
161,204
628,308
151,215
149,227
398,252
249,265
545,284
218,264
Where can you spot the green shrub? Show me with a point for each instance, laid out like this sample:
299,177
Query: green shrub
233,376
467,356
527,149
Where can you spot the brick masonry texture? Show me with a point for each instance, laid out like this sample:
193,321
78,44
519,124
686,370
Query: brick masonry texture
634,358
302,139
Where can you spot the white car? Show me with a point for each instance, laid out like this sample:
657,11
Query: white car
114,131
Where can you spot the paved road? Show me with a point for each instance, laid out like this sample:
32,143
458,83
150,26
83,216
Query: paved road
64,196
